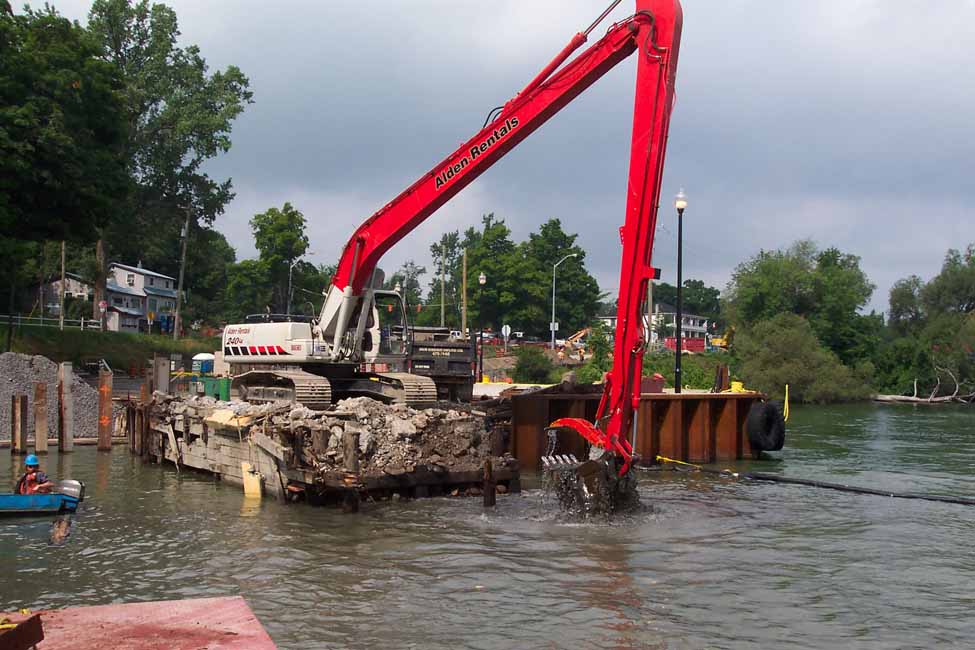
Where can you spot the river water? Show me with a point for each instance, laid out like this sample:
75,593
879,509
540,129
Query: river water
716,564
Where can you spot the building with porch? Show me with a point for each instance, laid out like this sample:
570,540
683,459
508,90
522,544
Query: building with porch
134,294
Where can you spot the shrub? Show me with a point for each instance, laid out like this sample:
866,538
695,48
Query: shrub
784,350
601,360
697,370
534,367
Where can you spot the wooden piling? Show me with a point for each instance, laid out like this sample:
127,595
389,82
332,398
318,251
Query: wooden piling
142,417
490,485
40,418
65,408
18,424
350,500
130,425
105,420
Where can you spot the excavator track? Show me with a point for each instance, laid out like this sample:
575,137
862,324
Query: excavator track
417,389
312,391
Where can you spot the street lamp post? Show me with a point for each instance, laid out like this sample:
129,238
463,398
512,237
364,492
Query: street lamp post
680,202
555,266
481,280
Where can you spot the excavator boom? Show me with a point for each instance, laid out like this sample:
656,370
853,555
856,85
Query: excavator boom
653,32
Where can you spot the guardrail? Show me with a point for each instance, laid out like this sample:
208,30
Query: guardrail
18,320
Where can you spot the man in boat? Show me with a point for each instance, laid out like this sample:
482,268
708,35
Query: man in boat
33,481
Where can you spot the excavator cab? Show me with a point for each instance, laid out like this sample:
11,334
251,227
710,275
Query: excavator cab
393,327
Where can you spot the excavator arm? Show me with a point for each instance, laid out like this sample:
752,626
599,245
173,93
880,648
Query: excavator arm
653,32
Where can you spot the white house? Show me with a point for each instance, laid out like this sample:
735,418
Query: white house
74,287
692,325
134,293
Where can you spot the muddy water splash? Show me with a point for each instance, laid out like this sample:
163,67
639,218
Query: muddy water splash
593,488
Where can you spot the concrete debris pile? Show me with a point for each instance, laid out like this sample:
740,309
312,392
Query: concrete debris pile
18,375
392,439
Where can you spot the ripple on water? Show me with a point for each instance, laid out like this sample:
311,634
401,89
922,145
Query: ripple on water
716,563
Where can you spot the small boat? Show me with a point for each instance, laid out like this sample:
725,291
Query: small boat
65,498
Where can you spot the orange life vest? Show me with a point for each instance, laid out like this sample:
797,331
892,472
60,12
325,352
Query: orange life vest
28,483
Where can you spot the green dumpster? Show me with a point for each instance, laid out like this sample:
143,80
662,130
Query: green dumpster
223,388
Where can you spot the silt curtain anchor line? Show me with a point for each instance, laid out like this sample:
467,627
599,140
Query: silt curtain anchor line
839,487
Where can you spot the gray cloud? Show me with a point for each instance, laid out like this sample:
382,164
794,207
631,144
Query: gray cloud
848,122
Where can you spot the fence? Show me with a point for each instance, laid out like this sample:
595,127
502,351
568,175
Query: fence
17,320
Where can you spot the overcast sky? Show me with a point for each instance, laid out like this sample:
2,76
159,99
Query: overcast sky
849,122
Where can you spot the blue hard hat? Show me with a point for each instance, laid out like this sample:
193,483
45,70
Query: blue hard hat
31,460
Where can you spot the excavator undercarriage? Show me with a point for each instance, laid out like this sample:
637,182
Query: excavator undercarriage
317,392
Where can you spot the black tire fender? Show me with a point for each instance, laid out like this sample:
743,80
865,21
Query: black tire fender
765,426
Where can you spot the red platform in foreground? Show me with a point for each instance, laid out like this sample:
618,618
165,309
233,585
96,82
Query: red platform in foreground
198,624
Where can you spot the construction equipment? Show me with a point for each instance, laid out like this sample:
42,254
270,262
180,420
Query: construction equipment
576,340
345,349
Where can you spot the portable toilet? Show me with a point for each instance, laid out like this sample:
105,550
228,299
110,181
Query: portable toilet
203,363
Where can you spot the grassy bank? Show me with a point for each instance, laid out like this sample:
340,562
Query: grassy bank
121,350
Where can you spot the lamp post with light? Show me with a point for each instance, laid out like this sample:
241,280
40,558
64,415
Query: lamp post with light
481,280
680,202
555,266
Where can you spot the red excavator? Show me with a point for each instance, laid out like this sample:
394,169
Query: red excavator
339,348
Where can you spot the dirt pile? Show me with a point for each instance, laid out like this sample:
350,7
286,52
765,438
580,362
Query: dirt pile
19,373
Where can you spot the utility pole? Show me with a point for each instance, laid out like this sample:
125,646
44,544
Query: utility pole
182,271
443,264
61,308
650,313
291,268
463,301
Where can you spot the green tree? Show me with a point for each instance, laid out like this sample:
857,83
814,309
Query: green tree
408,277
280,239
310,281
210,256
489,251
785,350
900,361
249,290
577,295
826,287
953,289
906,310
701,299
446,253
601,359
931,333
697,298
61,129
178,116
519,279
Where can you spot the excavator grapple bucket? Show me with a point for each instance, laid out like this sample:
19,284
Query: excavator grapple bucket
559,462
591,487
